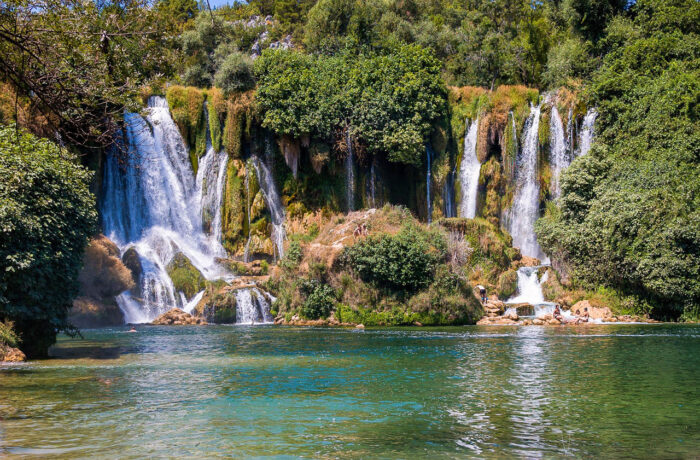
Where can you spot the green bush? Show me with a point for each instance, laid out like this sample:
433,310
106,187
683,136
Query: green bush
8,336
293,256
319,301
403,263
47,215
235,74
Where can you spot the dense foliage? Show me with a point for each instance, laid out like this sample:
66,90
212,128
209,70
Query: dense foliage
46,216
629,215
383,103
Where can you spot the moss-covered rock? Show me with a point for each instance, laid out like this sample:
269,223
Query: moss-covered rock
185,276
507,284
218,306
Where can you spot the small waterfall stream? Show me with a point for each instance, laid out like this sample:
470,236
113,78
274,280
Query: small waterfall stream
253,306
469,170
274,204
428,176
525,210
587,132
559,158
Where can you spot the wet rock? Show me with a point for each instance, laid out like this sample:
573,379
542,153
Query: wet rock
177,317
523,309
360,326
537,322
553,322
511,316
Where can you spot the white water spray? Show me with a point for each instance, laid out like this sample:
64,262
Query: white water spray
559,158
525,211
587,132
274,204
155,205
253,306
469,170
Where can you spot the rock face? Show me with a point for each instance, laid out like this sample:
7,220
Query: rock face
494,308
11,355
103,277
595,312
177,317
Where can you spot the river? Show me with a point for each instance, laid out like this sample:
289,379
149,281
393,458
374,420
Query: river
485,392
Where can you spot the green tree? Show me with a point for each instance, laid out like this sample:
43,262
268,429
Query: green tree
629,216
47,215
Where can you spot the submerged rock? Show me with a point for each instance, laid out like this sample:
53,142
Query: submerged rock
177,317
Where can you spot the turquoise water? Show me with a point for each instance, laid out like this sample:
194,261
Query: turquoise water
600,392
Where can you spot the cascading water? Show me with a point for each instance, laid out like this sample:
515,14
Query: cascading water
246,251
274,204
155,205
448,195
429,155
373,184
525,211
587,132
559,158
349,173
469,170
253,306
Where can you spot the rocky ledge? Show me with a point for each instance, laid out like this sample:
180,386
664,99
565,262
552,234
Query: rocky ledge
297,320
11,355
177,317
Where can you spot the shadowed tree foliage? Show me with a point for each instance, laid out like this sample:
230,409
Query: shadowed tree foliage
47,215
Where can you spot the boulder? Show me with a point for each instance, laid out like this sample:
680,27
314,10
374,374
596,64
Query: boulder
360,326
537,322
512,316
553,322
185,276
11,355
523,309
88,312
177,317
594,312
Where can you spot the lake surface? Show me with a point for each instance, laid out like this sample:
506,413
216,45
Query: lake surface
628,391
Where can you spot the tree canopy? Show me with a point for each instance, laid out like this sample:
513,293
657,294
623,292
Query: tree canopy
384,103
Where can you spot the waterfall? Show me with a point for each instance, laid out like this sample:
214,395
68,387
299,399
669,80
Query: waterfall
429,154
349,173
525,210
559,158
211,178
246,251
529,286
274,204
253,306
373,184
469,170
448,195
587,132
530,292
155,204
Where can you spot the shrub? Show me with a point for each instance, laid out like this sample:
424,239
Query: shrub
235,75
293,256
403,263
319,301
47,214
8,336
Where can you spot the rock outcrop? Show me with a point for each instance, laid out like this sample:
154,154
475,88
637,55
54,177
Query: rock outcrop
177,317
103,277
11,355
594,312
